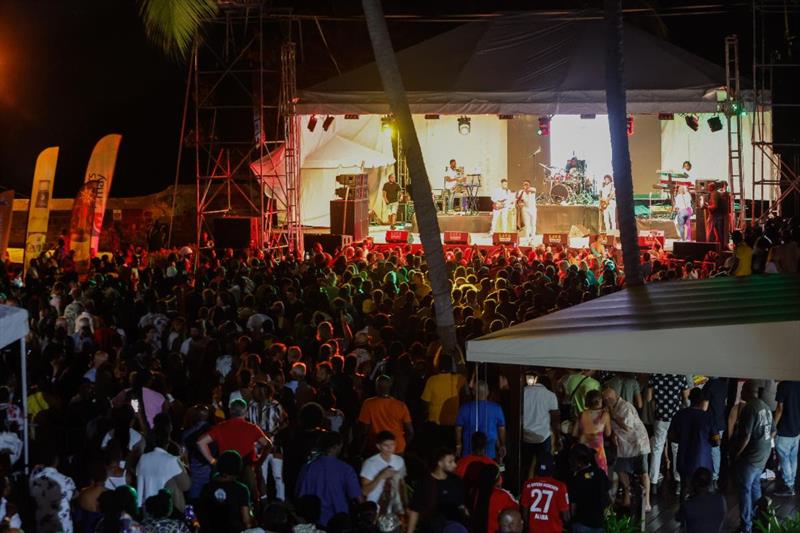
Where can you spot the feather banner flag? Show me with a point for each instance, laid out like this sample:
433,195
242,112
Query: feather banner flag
39,207
101,169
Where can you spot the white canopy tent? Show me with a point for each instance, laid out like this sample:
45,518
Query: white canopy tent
14,327
733,327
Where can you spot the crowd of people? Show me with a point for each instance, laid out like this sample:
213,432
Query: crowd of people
255,392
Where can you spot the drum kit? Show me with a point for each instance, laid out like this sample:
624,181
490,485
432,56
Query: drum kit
573,187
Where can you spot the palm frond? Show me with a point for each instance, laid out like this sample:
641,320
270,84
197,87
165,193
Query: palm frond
173,24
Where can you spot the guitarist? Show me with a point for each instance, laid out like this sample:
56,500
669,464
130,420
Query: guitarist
608,203
502,207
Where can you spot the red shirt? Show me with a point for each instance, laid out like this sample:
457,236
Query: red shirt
501,499
545,498
464,462
237,434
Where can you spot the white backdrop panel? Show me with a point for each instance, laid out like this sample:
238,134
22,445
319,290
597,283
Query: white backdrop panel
483,151
708,151
587,139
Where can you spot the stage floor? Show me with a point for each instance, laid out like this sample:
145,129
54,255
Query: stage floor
378,235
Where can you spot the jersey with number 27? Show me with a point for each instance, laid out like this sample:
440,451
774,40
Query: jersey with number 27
545,499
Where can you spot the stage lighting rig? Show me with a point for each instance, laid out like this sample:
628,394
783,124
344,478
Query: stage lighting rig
692,122
327,122
544,127
715,124
464,125
312,123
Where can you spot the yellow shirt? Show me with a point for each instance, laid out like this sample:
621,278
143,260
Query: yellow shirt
744,260
36,404
441,393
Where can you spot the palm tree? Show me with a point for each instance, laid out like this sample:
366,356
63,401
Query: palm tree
173,25
620,152
420,186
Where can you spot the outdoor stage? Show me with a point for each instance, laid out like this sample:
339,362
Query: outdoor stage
551,218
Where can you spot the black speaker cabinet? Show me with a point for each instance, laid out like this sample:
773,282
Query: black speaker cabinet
350,217
693,251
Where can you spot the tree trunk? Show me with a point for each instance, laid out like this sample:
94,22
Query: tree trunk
620,152
421,189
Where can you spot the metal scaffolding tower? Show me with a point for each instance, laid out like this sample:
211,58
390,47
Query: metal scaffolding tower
245,131
774,180
732,108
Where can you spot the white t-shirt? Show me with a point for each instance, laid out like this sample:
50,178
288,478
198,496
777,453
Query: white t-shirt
537,402
501,194
450,173
153,471
373,466
134,439
683,201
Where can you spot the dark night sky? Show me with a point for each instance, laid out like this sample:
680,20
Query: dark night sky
72,71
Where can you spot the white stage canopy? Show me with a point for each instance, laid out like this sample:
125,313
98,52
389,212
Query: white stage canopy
14,327
744,327
524,64
13,324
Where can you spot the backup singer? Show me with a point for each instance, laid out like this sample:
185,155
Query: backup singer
502,209
453,176
608,203
683,213
526,200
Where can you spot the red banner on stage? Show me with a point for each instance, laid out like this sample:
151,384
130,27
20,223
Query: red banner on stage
83,220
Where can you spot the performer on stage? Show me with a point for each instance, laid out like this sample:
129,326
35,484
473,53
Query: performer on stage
571,164
683,213
526,200
608,203
717,211
687,169
452,178
391,196
502,204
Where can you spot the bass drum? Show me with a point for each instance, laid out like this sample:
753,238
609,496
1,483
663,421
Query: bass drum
560,193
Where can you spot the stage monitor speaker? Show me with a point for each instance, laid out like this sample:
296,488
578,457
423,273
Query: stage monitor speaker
235,232
350,217
505,238
397,236
556,238
647,238
456,237
693,251
329,242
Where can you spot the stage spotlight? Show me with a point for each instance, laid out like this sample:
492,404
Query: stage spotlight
464,125
544,126
387,125
715,124
692,122
629,123
312,123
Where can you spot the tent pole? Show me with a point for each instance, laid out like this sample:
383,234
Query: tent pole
24,373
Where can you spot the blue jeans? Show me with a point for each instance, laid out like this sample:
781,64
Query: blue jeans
787,454
716,454
748,483
682,219
580,528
